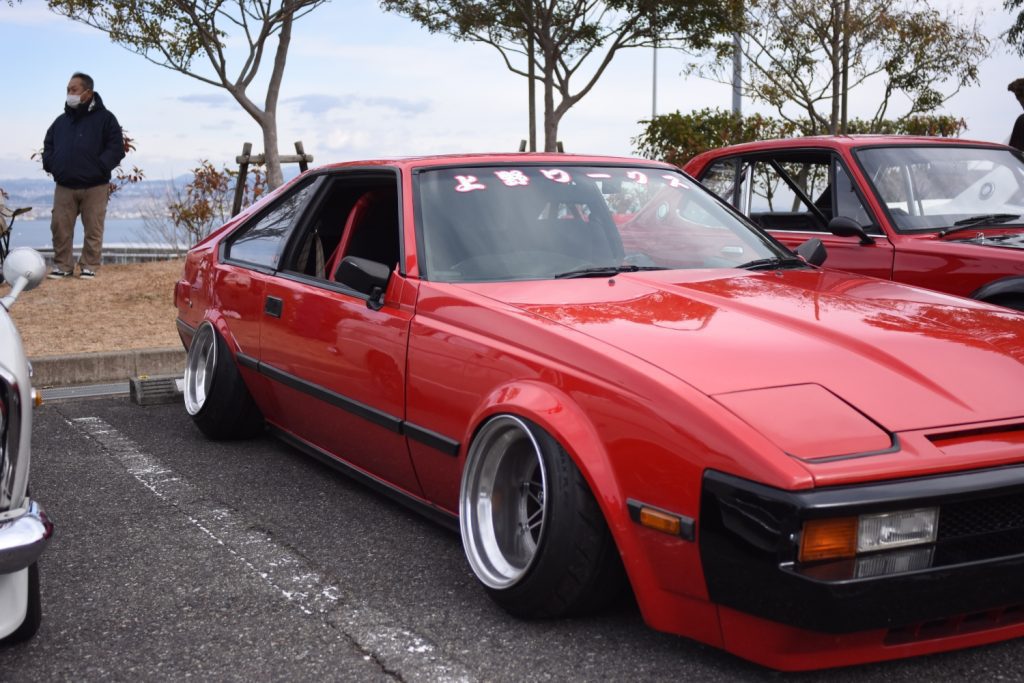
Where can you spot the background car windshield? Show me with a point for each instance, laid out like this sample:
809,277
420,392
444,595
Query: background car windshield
933,187
521,222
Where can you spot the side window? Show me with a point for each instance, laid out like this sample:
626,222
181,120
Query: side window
726,179
356,215
260,242
791,194
848,202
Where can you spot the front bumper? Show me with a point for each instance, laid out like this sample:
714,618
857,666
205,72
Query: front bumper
968,580
23,538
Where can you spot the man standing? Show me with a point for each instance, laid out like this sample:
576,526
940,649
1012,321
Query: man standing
1017,136
82,147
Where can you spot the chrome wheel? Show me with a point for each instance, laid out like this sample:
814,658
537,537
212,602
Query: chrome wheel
199,368
502,502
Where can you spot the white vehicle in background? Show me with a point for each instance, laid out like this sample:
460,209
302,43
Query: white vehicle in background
24,527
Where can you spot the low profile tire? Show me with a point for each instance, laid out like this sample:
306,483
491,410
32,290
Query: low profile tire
531,529
215,395
34,612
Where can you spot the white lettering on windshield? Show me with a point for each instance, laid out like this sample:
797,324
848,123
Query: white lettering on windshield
468,183
513,178
556,175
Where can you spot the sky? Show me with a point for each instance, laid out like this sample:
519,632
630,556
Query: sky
364,84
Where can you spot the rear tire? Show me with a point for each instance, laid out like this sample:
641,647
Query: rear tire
215,395
33,613
532,531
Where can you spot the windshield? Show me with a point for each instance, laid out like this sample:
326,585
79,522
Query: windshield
936,187
528,222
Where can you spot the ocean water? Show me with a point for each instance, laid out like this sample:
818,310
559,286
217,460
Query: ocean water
116,231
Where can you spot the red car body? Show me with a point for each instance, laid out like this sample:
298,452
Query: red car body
983,261
713,412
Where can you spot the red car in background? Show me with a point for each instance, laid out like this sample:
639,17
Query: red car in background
940,213
601,376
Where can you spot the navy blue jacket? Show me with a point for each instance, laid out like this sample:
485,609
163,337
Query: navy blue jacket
1017,136
83,145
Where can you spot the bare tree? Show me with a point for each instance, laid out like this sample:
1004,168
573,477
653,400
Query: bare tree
804,57
178,33
559,36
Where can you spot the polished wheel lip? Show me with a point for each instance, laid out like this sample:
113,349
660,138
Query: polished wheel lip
502,502
199,368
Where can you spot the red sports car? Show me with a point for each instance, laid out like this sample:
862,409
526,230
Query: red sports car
597,372
940,213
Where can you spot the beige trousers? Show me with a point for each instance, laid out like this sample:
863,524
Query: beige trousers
91,203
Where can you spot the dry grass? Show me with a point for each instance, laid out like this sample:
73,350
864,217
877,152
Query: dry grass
125,307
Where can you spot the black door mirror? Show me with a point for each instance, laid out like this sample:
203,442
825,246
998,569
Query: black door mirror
812,251
365,276
844,226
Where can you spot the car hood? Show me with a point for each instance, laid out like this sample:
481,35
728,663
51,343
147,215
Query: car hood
1003,240
905,358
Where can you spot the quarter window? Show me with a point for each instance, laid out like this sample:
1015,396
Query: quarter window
260,242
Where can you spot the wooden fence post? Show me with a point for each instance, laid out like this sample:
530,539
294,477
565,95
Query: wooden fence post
247,157
243,172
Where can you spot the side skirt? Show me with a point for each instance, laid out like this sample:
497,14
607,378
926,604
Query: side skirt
432,512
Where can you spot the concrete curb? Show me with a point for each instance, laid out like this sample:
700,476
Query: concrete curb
107,366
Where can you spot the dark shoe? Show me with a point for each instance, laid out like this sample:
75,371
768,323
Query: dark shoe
86,274
58,274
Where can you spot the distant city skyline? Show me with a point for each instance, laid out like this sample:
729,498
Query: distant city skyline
363,84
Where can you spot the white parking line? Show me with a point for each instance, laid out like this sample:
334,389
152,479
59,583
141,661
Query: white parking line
399,650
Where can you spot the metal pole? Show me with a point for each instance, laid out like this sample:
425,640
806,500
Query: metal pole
737,71
846,63
654,83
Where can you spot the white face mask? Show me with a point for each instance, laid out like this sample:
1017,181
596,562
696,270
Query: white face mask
74,100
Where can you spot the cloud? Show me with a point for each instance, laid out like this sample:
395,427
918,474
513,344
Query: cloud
319,104
315,104
210,100
398,104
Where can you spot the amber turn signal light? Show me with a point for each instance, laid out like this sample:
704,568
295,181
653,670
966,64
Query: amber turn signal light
828,539
659,521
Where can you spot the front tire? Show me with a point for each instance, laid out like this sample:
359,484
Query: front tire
215,395
531,529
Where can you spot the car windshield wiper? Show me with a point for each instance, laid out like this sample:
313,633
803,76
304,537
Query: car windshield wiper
773,263
968,223
604,271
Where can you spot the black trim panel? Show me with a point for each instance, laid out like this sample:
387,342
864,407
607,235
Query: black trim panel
432,439
377,417
436,514
390,422
894,439
750,533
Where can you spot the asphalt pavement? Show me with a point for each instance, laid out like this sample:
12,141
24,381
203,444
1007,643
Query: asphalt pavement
177,557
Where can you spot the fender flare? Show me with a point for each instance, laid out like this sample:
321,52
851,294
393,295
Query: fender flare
555,412
220,325
560,416
1013,284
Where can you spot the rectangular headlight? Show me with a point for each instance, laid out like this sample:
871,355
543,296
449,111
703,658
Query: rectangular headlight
897,529
841,537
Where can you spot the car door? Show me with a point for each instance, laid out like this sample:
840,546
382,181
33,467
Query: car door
794,194
337,364
249,257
